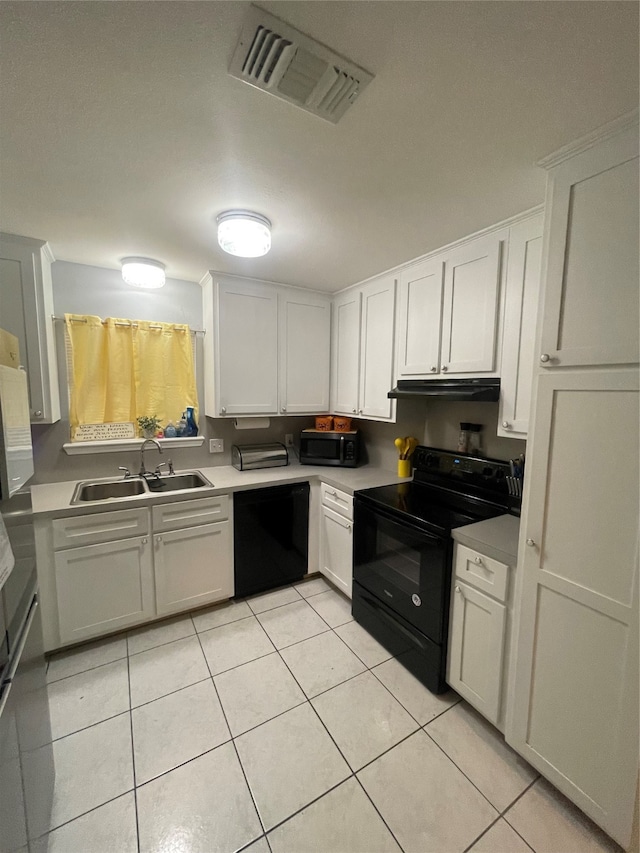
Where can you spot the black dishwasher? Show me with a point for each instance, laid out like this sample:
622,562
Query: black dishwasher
270,537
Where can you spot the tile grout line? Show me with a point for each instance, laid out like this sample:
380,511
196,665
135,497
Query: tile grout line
235,748
353,772
133,753
463,773
378,812
83,671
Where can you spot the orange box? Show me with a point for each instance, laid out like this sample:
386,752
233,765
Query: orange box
9,350
342,424
324,423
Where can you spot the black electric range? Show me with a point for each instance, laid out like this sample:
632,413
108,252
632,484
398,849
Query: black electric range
403,552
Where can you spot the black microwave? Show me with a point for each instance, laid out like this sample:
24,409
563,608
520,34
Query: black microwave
329,448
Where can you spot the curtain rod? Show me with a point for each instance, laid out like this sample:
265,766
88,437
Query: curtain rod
151,325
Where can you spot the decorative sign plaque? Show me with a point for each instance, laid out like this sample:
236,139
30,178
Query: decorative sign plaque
104,432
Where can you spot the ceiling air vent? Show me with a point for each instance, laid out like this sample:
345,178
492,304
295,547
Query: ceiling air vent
280,60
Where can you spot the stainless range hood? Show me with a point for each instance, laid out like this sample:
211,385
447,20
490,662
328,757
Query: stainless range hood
456,390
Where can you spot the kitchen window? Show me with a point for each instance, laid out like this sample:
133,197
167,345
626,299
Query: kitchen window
119,370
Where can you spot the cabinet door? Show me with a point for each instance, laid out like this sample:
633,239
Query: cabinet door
472,286
590,311
26,308
420,291
376,348
193,567
247,348
346,352
574,713
518,342
476,649
103,588
336,555
305,329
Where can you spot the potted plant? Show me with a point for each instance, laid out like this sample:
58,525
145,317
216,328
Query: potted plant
148,425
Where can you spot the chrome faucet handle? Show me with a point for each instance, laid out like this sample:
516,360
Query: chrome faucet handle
127,472
160,465
170,464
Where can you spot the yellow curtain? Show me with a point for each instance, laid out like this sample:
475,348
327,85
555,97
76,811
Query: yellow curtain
123,370
164,374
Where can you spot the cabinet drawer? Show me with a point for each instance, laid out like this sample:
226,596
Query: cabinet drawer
482,572
175,516
337,500
99,527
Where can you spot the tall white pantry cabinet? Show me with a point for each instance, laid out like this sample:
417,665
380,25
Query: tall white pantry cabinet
574,676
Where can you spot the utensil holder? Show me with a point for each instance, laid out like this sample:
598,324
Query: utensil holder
404,467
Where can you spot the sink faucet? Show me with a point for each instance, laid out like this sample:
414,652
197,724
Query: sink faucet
143,471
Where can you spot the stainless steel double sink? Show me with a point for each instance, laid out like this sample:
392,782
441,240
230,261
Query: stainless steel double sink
116,490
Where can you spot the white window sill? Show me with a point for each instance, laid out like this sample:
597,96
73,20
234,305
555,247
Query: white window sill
81,448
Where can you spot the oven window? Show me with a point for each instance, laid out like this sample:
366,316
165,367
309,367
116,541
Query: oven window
406,568
321,449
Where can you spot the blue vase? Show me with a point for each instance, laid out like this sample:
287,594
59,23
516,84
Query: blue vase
192,426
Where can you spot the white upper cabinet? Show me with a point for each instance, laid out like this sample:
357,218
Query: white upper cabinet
26,310
247,348
448,310
518,341
470,310
363,350
305,331
376,348
346,352
420,291
590,310
270,350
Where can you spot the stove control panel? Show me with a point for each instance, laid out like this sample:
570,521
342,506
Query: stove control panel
441,466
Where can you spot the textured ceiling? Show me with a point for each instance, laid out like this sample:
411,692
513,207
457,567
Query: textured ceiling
122,134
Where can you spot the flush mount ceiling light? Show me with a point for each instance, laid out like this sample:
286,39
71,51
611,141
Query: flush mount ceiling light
243,233
143,272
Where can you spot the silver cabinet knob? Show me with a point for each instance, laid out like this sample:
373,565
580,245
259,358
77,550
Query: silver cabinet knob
506,425
444,368
158,539
545,357
144,541
283,409
354,411
359,411
530,543
349,528
458,590
433,368
223,411
37,414
478,561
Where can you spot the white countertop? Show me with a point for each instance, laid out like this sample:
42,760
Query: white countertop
55,498
495,537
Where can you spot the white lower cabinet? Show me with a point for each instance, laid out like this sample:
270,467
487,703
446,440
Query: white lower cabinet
175,564
189,566
336,538
476,649
103,588
478,641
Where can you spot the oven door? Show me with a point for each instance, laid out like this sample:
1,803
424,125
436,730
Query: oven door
404,566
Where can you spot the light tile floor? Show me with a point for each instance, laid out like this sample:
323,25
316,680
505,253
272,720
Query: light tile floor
279,725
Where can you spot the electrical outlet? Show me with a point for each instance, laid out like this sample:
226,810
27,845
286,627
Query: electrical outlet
288,439
216,445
